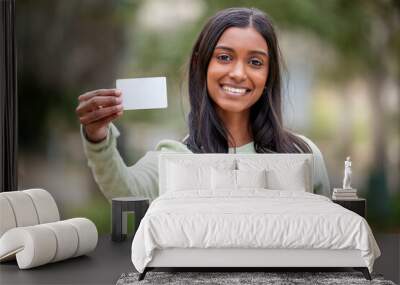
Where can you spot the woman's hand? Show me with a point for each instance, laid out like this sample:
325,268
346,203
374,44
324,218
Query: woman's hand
97,109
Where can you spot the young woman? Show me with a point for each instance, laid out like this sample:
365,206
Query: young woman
235,98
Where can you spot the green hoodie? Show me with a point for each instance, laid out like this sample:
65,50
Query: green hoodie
116,179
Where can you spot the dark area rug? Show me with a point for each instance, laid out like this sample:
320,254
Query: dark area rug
229,278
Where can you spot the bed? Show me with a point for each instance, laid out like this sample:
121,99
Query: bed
245,211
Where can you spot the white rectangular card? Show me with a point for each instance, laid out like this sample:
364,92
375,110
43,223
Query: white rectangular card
143,93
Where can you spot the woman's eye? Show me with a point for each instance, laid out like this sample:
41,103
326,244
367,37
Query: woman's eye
256,62
224,57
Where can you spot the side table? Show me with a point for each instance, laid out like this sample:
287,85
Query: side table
357,205
121,206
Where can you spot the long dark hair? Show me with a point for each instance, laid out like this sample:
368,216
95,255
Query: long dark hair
207,133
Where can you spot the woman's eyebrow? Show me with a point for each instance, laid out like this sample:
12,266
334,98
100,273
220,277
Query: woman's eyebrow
252,51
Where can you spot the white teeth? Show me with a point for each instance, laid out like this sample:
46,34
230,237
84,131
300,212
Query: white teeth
234,90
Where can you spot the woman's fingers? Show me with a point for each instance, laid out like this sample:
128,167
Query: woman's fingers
100,92
112,117
97,102
105,121
100,114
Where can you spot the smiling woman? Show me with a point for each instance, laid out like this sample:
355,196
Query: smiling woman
235,106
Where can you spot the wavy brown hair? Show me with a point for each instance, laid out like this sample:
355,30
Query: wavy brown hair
207,133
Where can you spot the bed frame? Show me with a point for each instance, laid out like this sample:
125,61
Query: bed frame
251,258
248,259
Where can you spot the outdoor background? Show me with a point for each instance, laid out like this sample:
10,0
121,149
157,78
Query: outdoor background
342,87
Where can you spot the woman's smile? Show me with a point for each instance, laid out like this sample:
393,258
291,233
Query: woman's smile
236,91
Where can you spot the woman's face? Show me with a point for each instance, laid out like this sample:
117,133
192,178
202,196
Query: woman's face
238,70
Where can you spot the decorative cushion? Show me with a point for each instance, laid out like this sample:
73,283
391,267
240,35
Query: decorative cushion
188,163
236,179
181,177
252,178
284,171
293,179
223,179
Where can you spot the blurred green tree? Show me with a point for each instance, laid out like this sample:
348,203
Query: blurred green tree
64,49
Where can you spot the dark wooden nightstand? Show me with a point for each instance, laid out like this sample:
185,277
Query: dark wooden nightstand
358,205
120,208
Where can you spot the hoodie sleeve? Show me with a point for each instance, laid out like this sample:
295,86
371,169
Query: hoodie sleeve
114,177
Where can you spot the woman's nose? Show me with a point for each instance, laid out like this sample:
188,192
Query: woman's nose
238,72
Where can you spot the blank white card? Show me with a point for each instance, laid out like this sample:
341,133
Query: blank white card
143,93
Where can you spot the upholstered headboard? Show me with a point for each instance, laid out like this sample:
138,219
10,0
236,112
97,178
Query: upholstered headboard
280,164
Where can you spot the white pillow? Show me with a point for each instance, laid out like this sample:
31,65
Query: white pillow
294,178
236,179
223,179
251,178
187,177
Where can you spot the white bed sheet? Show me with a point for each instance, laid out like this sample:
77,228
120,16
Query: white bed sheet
250,218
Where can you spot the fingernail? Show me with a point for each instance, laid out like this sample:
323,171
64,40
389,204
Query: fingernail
118,92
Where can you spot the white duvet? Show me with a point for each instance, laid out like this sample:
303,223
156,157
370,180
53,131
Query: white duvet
251,218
